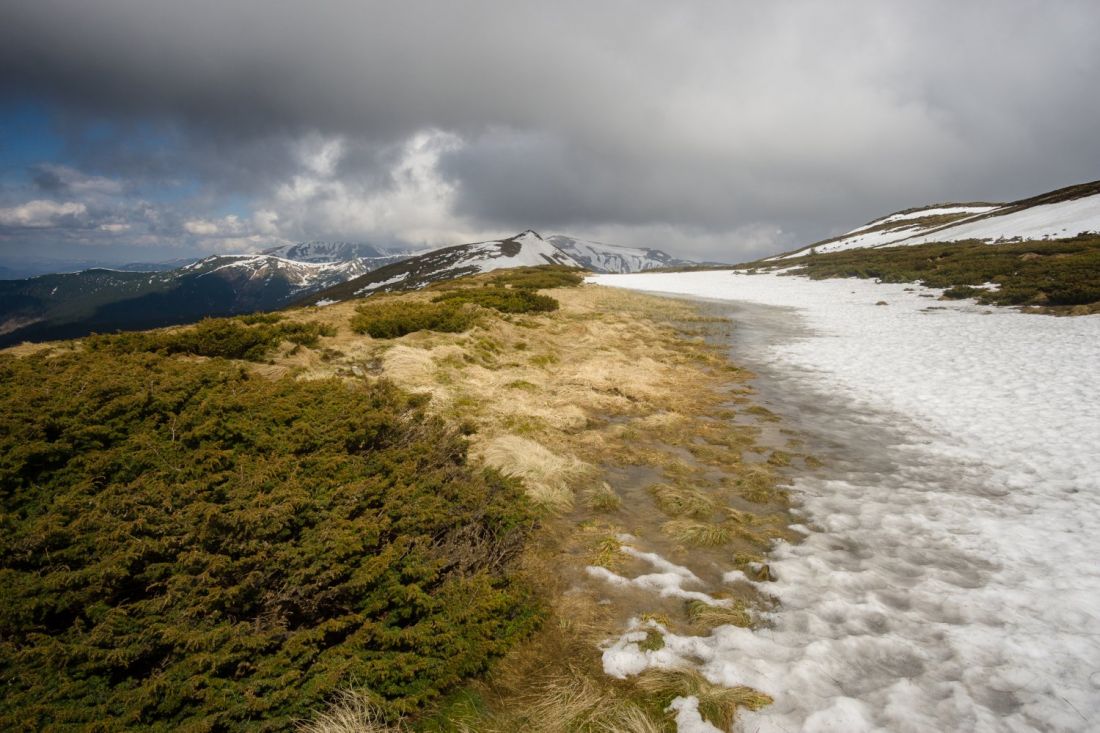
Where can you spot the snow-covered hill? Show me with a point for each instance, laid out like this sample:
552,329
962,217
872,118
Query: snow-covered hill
297,275
69,305
527,249
1059,214
612,258
74,304
318,251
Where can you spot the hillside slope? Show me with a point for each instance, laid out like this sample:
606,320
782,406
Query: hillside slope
526,249
297,527
75,304
1060,214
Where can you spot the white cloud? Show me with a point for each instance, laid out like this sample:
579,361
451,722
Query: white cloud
413,204
321,155
200,227
41,213
265,221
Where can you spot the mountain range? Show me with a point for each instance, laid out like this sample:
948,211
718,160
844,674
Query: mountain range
135,297
69,305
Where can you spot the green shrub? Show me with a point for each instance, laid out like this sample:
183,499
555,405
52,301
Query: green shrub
229,338
392,319
537,278
1062,272
253,319
186,547
505,300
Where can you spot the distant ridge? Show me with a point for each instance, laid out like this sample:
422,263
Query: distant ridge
1059,214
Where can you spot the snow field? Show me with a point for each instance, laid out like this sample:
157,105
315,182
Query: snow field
1062,219
949,579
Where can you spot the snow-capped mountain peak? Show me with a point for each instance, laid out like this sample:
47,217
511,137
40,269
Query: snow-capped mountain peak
319,251
612,258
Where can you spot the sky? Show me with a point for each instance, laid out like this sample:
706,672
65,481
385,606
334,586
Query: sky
141,130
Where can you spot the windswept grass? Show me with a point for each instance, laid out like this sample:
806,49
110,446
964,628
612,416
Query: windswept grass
682,501
603,498
701,534
756,483
717,704
351,711
708,615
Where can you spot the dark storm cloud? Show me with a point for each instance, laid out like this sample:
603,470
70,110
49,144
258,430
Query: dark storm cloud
698,123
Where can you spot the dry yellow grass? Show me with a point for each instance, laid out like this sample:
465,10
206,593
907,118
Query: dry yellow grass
352,711
717,704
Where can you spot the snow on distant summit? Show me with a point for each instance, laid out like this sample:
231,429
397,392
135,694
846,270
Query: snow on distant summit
527,249
611,258
318,251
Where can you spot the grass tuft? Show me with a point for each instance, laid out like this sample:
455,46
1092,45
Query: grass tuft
756,483
682,501
604,499
701,534
717,704
708,615
352,711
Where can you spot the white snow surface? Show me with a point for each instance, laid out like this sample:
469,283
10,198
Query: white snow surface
533,251
855,240
931,211
610,257
302,275
949,578
688,719
1047,221
668,582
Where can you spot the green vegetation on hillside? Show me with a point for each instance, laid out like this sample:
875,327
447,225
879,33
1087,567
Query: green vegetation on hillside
185,546
1048,273
539,278
511,291
389,319
246,337
504,300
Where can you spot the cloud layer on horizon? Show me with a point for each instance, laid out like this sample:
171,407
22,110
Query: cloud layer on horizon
715,130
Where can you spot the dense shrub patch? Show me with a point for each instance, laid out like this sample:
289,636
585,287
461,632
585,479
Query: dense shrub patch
505,300
537,278
1057,273
389,319
247,337
186,547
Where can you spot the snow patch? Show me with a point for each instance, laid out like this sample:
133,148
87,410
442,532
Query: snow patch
1047,221
688,718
